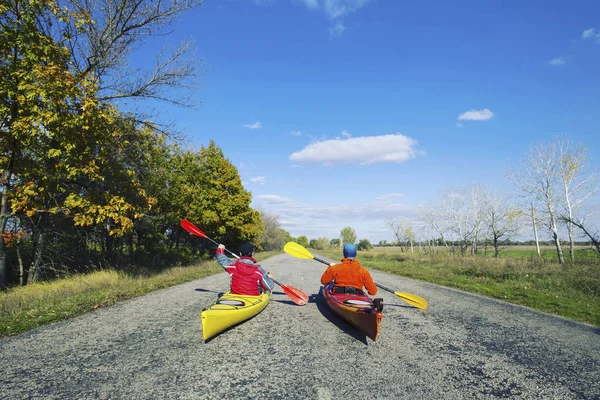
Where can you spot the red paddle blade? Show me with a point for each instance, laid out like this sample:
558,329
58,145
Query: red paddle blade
296,295
191,228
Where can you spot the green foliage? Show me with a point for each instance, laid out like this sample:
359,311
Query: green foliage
334,243
303,241
320,243
364,244
221,205
273,237
80,181
348,235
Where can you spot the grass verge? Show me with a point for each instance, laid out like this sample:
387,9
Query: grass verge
27,307
571,290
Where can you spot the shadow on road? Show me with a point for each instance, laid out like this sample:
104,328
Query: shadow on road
322,306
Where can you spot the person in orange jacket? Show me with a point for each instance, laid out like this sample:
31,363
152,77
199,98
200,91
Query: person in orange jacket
349,276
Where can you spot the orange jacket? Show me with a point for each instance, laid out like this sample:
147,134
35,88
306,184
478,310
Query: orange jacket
349,273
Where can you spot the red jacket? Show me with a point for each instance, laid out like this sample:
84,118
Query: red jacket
245,275
349,273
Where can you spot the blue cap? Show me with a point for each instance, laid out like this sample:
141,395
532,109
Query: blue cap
349,251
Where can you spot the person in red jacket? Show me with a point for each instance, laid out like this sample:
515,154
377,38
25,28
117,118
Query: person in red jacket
247,277
349,276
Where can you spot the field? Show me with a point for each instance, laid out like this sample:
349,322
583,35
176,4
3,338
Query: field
571,290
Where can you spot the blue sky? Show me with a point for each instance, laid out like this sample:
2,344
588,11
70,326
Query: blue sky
347,112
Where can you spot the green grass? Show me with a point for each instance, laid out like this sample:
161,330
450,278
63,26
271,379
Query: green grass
571,290
27,307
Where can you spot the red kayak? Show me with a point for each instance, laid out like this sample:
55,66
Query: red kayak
358,309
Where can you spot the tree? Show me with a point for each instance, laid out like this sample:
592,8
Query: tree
320,243
536,177
59,144
273,237
303,241
403,232
461,209
578,184
434,218
348,235
217,199
585,228
364,244
334,243
113,29
502,219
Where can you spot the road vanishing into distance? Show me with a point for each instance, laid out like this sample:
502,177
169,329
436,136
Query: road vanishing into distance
151,347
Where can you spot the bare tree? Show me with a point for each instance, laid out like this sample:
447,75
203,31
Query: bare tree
273,237
502,219
535,232
104,34
578,184
536,177
477,196
464,218
582,224
433,218
403,232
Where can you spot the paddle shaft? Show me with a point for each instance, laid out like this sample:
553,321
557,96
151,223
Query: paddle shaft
387,289
193,229
299,251
296,295
321,260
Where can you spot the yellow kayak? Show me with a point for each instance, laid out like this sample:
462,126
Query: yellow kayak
229,310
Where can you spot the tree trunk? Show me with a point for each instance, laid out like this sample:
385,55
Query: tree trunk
571,241
22,277
38,246
561,258
496,246
535,233
4,216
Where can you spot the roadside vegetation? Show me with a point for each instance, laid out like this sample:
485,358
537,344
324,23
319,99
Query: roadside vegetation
27,307
571,290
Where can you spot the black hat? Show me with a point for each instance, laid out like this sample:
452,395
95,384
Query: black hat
246,249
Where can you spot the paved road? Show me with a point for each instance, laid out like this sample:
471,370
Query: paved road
463,346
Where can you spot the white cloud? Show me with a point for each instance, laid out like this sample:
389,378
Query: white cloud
255,125
558,61
336,30
589,33
476,115
339,8
335,10
390,196
360,150
312,4
274,199
346,134
259,179
369,218
296,133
